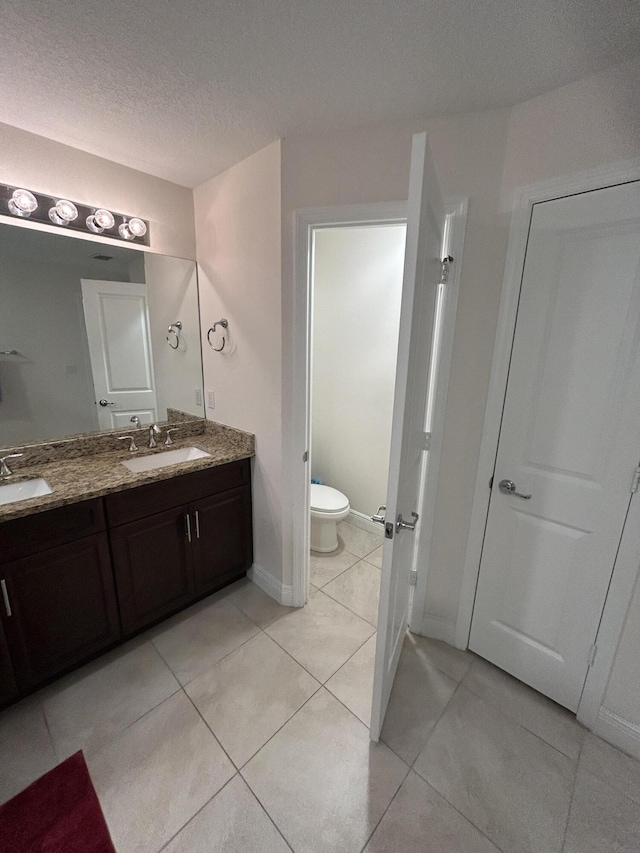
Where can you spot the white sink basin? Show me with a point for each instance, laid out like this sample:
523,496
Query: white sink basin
22,491
164,458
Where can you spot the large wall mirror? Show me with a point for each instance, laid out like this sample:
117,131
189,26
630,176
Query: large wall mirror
93,335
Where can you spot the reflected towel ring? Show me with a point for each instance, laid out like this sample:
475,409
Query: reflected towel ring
174,332
224,325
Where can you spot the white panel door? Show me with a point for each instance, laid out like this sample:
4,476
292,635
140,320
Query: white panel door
117,319
425,224
570,438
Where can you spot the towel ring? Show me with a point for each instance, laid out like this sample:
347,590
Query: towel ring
224,325
174,330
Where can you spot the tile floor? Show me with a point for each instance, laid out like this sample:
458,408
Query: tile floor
240,726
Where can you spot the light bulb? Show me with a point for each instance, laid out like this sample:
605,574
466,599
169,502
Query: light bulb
63,213
137,227
125,233
100,220
22,203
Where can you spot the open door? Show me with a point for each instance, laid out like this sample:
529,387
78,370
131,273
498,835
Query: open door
422,272
117,319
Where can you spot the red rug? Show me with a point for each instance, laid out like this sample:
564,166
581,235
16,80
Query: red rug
58,813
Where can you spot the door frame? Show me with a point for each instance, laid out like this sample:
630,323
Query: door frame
625,570
308,220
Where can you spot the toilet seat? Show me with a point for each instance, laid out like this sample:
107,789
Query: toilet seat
326,500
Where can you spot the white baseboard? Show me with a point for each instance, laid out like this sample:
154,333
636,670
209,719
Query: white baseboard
280,592
618,731
359,519
437,628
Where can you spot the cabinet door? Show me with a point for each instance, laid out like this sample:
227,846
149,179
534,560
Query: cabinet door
8,687
222,545
60,608
153,567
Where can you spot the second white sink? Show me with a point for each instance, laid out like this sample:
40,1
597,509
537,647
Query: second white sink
165,458
22,491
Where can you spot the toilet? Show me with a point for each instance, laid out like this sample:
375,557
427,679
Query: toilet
328,507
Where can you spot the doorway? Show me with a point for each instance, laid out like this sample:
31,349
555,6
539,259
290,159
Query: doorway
569,442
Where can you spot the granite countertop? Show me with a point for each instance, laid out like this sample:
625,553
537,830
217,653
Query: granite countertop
92,475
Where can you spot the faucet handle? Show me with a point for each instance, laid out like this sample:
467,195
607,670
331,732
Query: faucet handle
132,446
168,440
4,468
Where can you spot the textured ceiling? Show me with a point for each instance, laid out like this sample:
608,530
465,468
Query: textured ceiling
182,89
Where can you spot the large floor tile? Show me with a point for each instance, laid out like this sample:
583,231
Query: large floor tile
194,640
249,695
326,567
358,589
232,822
322,780
419,696
87,709
602,820
26,750
419,820
256,604
353,682
513,786
157,774
453,662
608,763
321,636
375,557
531,709
357,541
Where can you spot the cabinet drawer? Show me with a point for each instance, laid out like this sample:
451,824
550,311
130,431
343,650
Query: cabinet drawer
144,501
33,533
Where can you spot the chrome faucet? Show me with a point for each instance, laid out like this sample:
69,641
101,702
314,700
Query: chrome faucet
135,420
168,440
154,430
5,471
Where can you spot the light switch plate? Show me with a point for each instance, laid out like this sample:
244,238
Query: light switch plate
211,400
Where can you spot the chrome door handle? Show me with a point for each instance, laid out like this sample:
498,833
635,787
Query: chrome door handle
378,517
405,525
106,403
197,518
508,487
187,521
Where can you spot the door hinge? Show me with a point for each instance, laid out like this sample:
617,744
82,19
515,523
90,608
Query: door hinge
305,456
444,270
636,480
592,654
427,441
413,577
491,483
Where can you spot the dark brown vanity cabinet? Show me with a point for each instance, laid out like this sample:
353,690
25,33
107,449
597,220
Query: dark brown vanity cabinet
75,580
59,603
199,542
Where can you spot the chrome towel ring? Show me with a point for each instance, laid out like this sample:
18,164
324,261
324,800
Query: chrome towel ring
173,338
224,325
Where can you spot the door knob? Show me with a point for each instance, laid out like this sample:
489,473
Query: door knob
405,525
508,487
378,517
106,403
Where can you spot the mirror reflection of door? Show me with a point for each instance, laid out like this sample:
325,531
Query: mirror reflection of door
117,319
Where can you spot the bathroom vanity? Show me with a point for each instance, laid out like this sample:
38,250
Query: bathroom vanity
117,551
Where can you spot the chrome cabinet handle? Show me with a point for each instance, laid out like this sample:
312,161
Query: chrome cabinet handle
508,487
405,525
378,517
5,595
197,517
187,521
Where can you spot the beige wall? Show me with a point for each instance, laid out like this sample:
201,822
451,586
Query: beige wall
357,285
238,247
46,166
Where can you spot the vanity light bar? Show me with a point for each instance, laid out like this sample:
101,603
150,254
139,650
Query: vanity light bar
64,213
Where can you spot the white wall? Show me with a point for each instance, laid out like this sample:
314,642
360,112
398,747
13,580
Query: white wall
238,246
172,292
356,314
49,167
